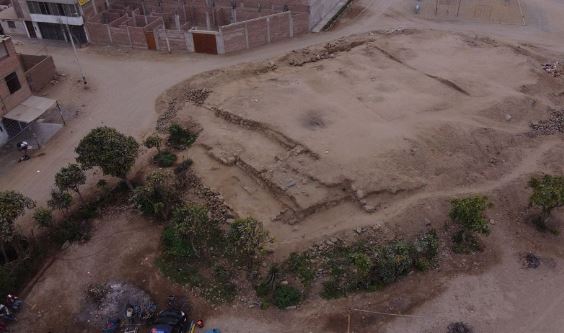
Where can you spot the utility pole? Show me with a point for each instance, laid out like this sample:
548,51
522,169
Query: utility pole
75,53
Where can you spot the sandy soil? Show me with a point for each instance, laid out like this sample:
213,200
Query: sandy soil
381,135
422,120
382,129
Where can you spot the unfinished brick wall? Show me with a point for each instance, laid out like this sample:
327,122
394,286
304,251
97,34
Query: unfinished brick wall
122,27
174,40
234,38
99,33
262,31
248,24
39,70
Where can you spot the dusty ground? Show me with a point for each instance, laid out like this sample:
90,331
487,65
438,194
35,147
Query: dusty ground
423,121
383,129
381,135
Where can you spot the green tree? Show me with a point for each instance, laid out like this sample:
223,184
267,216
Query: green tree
153,141
70,178
247,238
548,193
192,223
158,196
43,216
12,206
468,213
110,150
60,200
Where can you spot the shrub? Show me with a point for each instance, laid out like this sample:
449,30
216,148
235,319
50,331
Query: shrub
247,240
60,200
183,166
362,265
426,249
394,260
468,213
181,172
69,230
548,193
179,137
301,266
332,289
158,196
70,178
12,206
43,217
174,245
164,159
285,296
192,224
465,242
153,141
222,290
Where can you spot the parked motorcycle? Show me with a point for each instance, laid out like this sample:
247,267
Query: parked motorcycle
14,303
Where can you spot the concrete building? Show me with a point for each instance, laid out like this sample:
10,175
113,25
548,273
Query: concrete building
46,19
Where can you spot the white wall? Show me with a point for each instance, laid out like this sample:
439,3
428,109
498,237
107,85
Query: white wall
18,30
57,19
318,10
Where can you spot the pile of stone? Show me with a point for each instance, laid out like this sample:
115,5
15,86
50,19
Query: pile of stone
550,126
555,69
459,327
218,209
330,50
165,119
197,96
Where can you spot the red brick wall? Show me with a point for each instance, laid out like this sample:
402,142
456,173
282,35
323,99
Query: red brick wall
120,36
39,70
98,33
234,38
9,65
138,38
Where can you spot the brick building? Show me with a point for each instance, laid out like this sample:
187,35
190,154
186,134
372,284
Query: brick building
20,75
207,26
13,88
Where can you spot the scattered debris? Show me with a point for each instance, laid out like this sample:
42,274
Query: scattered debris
530,260
109,300
165,119
97,292
308,55
459,327
550,126
555,69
